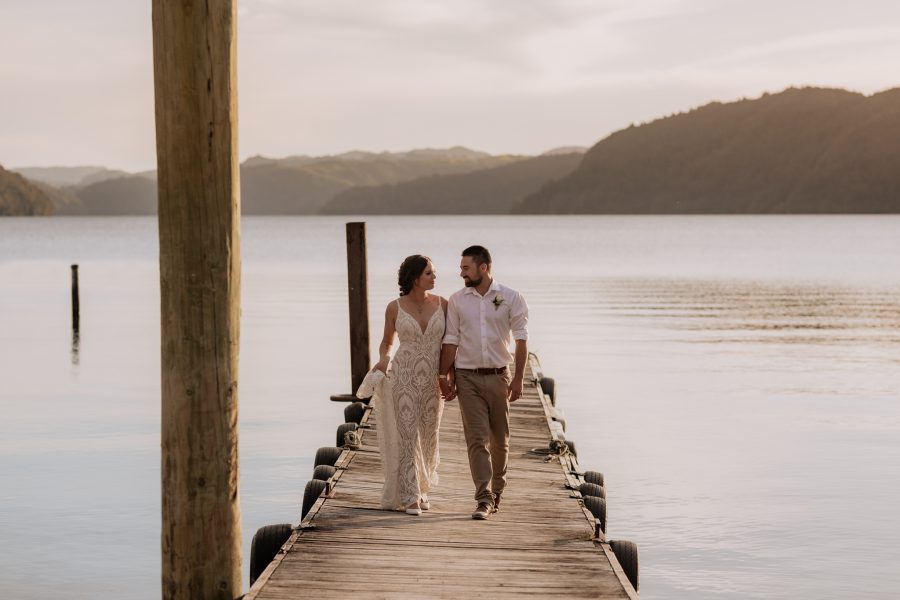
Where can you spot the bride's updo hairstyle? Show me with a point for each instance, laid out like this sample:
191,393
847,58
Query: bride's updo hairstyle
410,270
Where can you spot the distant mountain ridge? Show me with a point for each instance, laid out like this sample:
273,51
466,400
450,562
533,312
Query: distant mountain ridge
303,185
803,150
20,197
807,150
285,186
130,195
454,153
69,176
486,191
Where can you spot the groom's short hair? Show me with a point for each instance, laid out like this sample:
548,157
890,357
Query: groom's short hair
479,254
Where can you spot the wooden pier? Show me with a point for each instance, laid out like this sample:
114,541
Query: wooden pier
543,543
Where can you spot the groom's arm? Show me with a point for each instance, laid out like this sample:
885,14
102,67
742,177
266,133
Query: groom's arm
448,355
515,386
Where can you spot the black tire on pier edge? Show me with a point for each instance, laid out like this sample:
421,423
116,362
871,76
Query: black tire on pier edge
341,430
595,477
353,413
323,472
314,488
548,384
592,489
265,545
572,449
597,506
327,455
627,555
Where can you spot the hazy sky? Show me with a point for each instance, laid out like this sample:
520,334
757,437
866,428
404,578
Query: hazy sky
503,76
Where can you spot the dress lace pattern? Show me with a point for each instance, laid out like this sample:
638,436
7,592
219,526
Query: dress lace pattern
410,407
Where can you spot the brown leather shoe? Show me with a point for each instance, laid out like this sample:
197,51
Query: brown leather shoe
496,503
483,511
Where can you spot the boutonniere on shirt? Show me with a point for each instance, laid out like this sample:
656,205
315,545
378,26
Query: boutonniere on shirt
498,300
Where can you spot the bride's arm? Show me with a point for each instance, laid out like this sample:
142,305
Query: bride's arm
448,354
384,349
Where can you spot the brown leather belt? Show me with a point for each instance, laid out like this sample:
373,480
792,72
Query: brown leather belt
485,371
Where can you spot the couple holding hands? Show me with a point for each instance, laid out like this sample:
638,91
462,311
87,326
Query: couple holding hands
456,348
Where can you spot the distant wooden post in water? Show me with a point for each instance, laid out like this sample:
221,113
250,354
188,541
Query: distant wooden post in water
76,316
194,52
76,305
358,291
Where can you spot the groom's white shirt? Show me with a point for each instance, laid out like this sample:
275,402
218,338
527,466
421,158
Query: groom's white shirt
481,326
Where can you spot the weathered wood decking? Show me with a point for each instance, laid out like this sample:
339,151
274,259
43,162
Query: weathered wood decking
541,544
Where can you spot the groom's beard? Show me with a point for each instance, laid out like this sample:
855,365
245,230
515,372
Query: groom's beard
473,282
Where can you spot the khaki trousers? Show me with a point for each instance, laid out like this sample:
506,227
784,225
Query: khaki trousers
485,415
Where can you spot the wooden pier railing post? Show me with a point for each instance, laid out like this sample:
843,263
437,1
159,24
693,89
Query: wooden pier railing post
194,52
358,291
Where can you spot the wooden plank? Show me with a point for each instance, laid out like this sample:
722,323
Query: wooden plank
540,545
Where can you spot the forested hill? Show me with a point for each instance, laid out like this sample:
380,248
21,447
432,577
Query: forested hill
303,185
18,196
806,150
282,186
487,191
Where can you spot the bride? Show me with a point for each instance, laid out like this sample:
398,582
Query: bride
408,398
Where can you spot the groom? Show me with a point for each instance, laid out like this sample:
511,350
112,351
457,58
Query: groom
481,318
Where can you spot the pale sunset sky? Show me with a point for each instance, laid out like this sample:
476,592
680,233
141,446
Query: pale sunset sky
501,76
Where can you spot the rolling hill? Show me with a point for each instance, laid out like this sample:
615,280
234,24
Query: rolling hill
304,185
20,197
808,150
487,191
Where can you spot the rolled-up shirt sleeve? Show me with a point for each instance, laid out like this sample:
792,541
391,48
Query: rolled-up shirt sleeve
518,318
451,335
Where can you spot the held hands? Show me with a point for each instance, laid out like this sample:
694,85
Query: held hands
448,389
514,389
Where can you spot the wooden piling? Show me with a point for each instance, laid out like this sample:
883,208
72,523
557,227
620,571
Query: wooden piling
358,296
194,51
76,318
76,304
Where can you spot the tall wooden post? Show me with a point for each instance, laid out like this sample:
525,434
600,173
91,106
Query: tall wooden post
358,296
76,303
194,51
76,316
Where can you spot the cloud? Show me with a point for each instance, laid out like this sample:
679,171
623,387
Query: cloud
822,41
859,58
502,75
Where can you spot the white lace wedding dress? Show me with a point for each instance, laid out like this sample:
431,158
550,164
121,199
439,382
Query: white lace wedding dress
409,412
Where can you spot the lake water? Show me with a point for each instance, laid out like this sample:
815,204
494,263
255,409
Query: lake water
737,379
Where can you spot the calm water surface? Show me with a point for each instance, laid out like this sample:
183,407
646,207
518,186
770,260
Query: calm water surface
735,378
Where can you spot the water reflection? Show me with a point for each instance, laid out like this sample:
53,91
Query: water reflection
716,306
76,343
733,418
